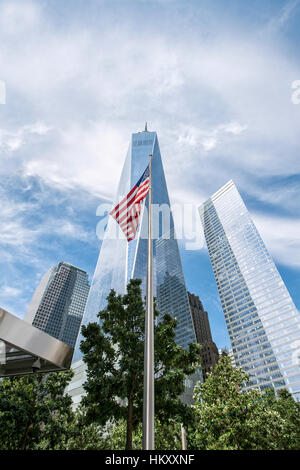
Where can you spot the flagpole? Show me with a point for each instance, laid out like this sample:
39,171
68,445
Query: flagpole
148,404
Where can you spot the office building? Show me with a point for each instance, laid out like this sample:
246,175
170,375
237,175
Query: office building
262,320
119,261
58,303
210,353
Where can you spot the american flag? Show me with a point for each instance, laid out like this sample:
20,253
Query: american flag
127,212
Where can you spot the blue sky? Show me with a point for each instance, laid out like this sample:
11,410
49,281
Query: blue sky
82,75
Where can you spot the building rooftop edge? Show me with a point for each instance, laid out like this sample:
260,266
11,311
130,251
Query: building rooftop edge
70,265
219,192
143,132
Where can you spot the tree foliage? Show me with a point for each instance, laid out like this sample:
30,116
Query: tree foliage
227,418
35,412
167,435
114,355
33,408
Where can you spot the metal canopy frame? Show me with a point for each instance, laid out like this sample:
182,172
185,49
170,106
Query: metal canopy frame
25,349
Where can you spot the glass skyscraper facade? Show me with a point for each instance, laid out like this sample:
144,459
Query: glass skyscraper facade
209,351
262,320
119,261
58,303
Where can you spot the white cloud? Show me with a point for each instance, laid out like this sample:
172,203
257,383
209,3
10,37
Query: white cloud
221,104
66,228
18,232
89,156
209,143
8,291
208,138
12,140
281,236
18,16
96,96
279,20
13,233
38,128
234,128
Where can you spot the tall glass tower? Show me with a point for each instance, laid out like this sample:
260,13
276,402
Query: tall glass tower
209,351
58,302
119,261
262,320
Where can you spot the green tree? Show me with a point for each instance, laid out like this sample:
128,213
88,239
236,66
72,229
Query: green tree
289,410
226,418
167,435
114,355
84,436
34,408
76,435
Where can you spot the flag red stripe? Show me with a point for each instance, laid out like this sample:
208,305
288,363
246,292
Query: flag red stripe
125,199
124,204
128,211
125,216
131,201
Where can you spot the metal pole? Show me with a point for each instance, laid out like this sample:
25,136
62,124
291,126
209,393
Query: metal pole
183,438
148,405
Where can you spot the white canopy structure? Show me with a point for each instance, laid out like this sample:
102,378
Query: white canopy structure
25,349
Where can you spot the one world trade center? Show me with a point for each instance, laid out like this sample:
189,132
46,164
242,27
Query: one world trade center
119,260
